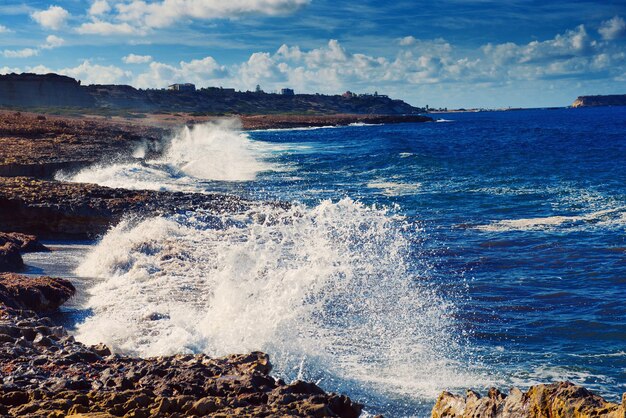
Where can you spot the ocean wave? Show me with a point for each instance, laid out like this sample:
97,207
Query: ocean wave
331,292
214,151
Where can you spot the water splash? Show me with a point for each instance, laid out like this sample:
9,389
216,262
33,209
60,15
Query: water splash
331,292
213,151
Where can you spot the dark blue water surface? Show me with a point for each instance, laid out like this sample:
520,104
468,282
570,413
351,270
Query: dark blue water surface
524,217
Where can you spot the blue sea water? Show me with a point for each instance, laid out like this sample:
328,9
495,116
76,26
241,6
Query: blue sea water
485,249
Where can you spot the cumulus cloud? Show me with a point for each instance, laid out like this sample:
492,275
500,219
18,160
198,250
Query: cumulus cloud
99,7
53,41
613,29
201,72
53,18
407,40
20,53
90,73
571,44
136,59
99,27
4,29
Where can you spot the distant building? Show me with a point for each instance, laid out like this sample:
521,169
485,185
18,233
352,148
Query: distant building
287,92
349,95
219,90
183,87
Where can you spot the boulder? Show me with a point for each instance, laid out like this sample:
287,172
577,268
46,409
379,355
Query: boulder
27,243
39,294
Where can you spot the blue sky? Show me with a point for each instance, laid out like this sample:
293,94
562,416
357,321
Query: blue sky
444,53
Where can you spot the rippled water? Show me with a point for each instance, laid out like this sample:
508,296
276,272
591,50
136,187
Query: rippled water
488,250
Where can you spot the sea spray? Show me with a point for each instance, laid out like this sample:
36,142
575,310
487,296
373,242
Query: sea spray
214,151
333,285
330,292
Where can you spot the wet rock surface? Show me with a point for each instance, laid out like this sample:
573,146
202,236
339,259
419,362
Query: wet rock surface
72,210
555,400
10,257
41,294
44,372
26,243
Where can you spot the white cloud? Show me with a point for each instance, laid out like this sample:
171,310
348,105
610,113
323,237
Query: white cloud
202,72
136,59
407,40
4,29
21,53
99,7
90,73
613,29
98,27
53,41
146,15
53,18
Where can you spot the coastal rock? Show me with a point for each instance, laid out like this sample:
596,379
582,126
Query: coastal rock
73,210
555,400
31,146
26,243
65,378
10,258
39,294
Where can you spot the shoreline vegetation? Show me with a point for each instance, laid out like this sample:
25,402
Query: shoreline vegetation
45,372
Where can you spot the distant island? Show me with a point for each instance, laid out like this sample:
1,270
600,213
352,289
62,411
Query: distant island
65,94
609,100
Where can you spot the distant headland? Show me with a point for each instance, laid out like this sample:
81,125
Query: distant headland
34,91
609,100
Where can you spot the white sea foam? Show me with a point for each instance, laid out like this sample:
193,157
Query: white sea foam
212,151
391,188
603,218
330,292
301,128
443,120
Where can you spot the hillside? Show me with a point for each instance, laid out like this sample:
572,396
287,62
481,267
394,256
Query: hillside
609,100
26,91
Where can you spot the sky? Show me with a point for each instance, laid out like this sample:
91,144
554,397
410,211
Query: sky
440,53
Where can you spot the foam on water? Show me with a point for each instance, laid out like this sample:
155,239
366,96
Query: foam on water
604,218
212,151
330,292
393,188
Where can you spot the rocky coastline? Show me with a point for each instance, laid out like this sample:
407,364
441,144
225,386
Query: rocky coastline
44,372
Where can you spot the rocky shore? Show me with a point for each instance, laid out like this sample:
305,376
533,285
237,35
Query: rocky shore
44,372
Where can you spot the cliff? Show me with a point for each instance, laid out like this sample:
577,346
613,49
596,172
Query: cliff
33,90
36,91
610,100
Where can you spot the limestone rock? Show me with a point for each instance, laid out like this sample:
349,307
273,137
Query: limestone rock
555,400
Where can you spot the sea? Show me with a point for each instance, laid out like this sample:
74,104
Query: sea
483,249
